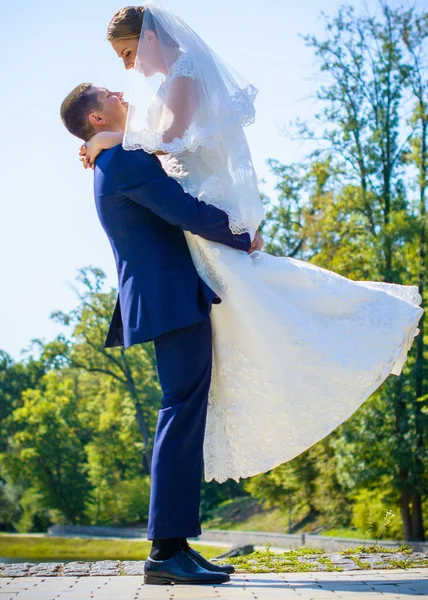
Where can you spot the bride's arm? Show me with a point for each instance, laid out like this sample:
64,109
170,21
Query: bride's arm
180,108
98,142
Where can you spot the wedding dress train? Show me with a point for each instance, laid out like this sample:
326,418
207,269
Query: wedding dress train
296,348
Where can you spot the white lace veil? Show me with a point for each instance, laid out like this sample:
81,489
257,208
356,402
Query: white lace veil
197,103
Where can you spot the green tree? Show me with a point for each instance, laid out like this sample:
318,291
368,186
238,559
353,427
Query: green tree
306,488
47,447
134,370
119,492
14,379
351,207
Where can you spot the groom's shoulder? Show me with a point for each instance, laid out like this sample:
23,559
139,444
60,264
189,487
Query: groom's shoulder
135,165
120,157
118,166
130,157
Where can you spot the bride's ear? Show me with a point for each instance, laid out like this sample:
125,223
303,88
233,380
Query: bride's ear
150,37
96,119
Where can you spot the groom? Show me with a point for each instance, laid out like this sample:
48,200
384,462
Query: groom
161,298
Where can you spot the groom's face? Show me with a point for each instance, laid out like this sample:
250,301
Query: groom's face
114,111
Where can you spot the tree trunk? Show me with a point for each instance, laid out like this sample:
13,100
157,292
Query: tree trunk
412,517
141,421
147,454
405,513
417,520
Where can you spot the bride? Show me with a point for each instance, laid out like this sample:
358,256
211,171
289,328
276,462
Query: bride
296,348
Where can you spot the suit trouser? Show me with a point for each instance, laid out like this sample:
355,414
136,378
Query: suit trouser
184,361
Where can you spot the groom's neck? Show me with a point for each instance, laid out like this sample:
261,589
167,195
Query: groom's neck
112,129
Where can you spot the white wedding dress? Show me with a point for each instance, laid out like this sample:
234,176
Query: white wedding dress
296,348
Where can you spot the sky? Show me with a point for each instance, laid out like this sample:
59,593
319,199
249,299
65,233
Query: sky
49,227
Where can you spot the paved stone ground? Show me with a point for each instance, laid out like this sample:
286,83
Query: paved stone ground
353,585
313,563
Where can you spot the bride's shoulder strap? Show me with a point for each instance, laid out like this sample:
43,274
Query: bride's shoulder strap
183,67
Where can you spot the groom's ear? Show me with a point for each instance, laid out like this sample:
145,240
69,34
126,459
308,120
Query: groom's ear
96,119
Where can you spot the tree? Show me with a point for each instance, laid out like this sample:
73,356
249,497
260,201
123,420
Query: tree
119,492
47,448
414,31
351,208
14,379
134,370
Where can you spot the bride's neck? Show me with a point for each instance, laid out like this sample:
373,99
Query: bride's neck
170,56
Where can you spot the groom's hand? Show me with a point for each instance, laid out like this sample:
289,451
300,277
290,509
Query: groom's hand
257,243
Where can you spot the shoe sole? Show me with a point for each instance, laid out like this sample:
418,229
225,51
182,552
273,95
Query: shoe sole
153,579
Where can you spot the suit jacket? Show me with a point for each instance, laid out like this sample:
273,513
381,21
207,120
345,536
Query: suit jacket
144,213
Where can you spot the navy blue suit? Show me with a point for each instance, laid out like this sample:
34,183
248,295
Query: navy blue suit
162,297
143,212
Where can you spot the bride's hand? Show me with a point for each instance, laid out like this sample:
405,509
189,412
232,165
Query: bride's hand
89,151
100,141
256,244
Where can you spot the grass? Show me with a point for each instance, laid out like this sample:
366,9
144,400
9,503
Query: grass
248,514
43,548
245,514
363,564
272,521
308,559
329,564
344,532
375,549
266,561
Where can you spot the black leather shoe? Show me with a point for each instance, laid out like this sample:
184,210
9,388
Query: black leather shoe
180,568
206,564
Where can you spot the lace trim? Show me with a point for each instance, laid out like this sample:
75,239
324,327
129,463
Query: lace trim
211,192
151,141
182,67
243,101
242,114
210,268
205,258
253,426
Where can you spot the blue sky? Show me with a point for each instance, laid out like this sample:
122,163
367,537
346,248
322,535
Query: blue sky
48,226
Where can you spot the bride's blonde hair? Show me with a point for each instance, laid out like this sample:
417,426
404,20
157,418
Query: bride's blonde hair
128,22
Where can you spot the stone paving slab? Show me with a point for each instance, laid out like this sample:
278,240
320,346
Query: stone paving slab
313,562
397,584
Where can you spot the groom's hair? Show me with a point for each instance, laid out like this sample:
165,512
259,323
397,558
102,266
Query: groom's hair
75,110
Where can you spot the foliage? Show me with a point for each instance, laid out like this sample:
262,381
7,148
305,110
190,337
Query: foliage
77,421
306,488
375,502
77,440
357,205
47,447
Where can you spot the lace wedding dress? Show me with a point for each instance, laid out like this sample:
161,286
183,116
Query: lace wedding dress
296,348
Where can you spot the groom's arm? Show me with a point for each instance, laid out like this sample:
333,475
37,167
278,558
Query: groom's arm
140,177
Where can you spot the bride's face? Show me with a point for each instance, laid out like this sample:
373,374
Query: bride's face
126,50
149,60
